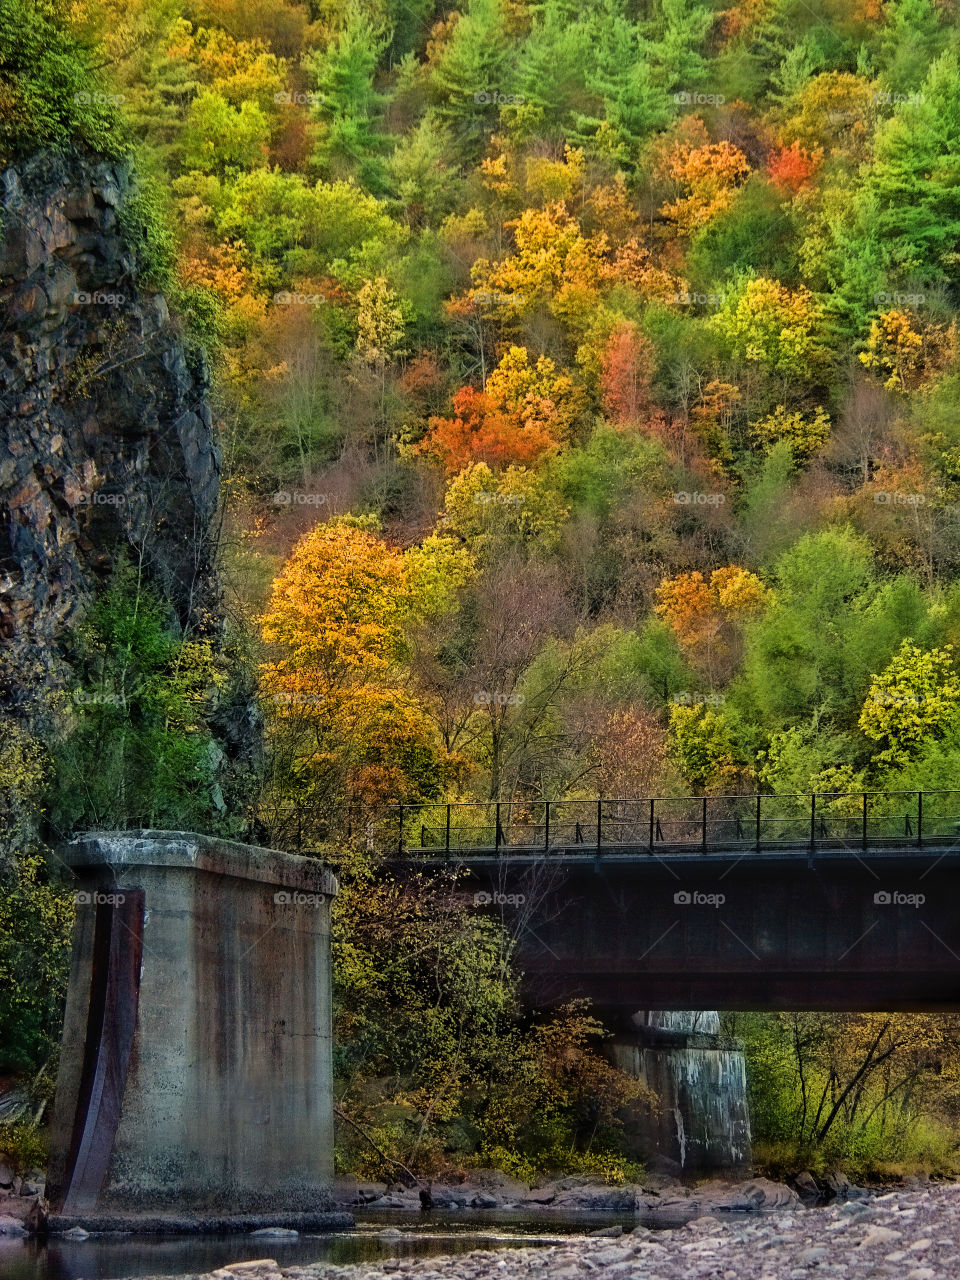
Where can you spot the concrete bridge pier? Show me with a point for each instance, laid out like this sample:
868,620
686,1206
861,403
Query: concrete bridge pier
195,1073
700,1120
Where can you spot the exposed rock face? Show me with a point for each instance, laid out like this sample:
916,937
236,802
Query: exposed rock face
106,438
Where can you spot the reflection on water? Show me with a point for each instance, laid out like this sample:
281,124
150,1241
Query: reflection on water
115,1256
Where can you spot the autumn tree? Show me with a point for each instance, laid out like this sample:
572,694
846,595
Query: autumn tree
705,615
904,350
805,433
347,729
625,373
915,698
792,167
699,742
708,176
768,324
480,431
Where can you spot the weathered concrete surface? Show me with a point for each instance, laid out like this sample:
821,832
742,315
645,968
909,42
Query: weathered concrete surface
699,1118
227,1105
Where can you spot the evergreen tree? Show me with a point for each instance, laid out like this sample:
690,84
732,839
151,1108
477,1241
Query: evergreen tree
348,141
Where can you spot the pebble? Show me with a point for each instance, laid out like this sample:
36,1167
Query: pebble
876,1240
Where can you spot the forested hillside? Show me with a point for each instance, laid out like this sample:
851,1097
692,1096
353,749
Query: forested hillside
587,381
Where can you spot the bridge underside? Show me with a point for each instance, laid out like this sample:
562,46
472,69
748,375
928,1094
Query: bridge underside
844,930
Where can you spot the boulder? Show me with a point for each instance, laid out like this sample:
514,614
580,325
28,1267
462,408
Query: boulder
807,1187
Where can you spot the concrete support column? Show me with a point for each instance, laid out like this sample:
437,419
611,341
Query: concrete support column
699,1121
196,1071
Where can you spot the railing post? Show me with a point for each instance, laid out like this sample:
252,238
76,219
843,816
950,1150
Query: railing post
864,833
758,823
813,822
919,819
496,834
400,832
703,835
651,823
546,828
447,844
599,824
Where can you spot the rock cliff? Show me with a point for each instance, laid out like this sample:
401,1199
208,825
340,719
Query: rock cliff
107,447
106,440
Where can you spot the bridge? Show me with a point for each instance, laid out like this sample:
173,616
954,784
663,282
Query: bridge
826,901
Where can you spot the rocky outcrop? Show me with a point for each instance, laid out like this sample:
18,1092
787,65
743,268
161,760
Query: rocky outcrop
106,440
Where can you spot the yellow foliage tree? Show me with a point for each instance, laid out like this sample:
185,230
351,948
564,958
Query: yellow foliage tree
537,394
903,349
805,434
709,176
913,700
336,624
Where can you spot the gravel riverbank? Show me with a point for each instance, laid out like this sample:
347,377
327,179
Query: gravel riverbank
911,1235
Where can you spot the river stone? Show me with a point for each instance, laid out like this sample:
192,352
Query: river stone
816,1253
879,1235
11,1226
806,1186
704,1224
255,1268
276,1233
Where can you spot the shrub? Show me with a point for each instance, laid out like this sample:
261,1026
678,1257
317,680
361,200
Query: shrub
50,93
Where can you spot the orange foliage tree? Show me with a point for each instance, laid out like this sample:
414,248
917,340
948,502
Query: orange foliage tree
348,730
480,431
705,616
625,370
792,167
526,411
709,175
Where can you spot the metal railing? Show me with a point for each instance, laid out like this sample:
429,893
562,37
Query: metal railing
670,824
